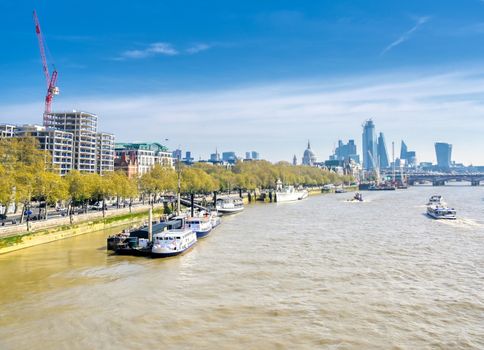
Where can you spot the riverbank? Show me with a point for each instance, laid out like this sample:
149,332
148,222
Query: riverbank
10,242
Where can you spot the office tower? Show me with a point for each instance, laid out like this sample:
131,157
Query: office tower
177,154
345,152
255,155
229,157
369,146
247,155
294,160
443,151
403,151
382,152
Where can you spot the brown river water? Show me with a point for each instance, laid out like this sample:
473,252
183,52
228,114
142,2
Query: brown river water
322,273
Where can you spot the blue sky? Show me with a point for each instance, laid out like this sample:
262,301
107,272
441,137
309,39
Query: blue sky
256,75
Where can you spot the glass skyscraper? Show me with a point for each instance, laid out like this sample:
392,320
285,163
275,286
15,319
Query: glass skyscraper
403,151
369,146
443,151
346,152
382,152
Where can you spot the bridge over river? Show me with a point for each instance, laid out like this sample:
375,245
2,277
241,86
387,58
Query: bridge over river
440,179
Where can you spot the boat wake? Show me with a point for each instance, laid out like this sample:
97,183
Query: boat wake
466,223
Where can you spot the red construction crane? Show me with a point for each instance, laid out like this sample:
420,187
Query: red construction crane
51,80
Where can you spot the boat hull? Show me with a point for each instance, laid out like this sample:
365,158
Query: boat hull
230,211
133,251
288,197
171,253
441,217
202,234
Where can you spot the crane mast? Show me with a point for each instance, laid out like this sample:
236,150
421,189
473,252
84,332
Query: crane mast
51,80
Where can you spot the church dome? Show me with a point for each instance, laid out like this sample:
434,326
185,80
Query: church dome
308,157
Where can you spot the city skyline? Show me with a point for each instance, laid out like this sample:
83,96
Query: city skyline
200,82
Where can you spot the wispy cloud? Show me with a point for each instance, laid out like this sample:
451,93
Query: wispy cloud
420,108
407,35
198,48
162,49
154,49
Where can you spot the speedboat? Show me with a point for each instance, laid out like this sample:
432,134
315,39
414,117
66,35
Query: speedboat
173,242
200,225
436,199
229,205
358,197
441,212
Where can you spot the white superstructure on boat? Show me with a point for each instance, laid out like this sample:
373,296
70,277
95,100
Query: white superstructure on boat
436,200
215,219
289,193
172,242
229,205
441,212
201,225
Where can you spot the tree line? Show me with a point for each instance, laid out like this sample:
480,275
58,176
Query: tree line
26,176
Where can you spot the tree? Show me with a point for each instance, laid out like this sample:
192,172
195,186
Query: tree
51,188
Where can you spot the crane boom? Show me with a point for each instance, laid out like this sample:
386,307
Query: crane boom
50,80
40,39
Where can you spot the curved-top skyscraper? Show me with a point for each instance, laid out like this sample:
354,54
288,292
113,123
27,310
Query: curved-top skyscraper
369,146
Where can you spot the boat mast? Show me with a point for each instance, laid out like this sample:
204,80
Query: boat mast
393,157
179,188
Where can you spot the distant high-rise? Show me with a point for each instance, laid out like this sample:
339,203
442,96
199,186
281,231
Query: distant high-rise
294,160
443,152
369,145
247,155
177,154
229,157
346,152
255,155
403,151
382,152
215,157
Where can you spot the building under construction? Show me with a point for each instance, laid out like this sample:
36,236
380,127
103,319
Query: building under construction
73,141
92,151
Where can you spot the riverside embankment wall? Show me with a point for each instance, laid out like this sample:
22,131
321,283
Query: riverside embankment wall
17,237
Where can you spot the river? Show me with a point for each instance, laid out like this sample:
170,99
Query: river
322,273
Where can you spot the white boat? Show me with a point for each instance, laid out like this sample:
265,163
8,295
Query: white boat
289,193
215,219
229,205
172,242
201,225
436,200
441,212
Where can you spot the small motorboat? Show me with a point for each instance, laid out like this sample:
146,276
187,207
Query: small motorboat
358,197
